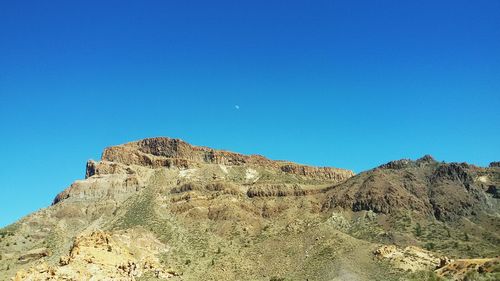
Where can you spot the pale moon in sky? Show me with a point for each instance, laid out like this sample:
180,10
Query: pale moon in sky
237,106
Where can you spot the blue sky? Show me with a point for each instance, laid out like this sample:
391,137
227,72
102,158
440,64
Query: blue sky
349,84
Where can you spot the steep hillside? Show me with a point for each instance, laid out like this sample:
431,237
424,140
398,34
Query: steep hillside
161,208
444,191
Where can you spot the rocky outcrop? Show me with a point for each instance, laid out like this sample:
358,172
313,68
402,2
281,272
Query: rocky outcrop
117,187
166,152
407,163
494,191
416,259
124,169
495,164
106,180
281,190
454,193
460,268
408,258
101,256
454,172
446,191
34,254
325,173
396,164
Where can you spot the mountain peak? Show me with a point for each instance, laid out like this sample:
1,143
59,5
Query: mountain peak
426,159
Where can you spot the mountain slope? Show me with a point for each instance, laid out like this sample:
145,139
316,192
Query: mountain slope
161,208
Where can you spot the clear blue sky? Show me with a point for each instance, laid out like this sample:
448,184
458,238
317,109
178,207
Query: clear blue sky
348,84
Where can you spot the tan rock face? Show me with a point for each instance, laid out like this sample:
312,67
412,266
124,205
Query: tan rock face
458,269
408,258
416,259
103,256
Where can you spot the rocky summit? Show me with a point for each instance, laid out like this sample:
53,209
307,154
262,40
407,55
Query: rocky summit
162,209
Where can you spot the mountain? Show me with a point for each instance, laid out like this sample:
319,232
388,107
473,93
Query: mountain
161,208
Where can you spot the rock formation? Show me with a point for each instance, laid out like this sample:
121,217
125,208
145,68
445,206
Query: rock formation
161,208
101,256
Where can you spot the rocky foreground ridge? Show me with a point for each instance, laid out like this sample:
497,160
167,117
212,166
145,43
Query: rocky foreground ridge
161,208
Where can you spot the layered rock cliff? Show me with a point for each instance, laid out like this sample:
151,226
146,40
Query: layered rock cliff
124,169
167,152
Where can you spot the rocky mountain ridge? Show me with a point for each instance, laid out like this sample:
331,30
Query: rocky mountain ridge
161,208
166,152
446,191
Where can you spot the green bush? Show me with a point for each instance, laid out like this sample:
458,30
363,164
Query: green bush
425,276
418,230
429,246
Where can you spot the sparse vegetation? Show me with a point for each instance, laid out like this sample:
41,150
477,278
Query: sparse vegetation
289,226
425,276
418,229
429,246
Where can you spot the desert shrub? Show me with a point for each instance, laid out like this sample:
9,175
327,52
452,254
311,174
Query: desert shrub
496,268
189,186
216,186
418,229
448,233
471,276
429,246
425,276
